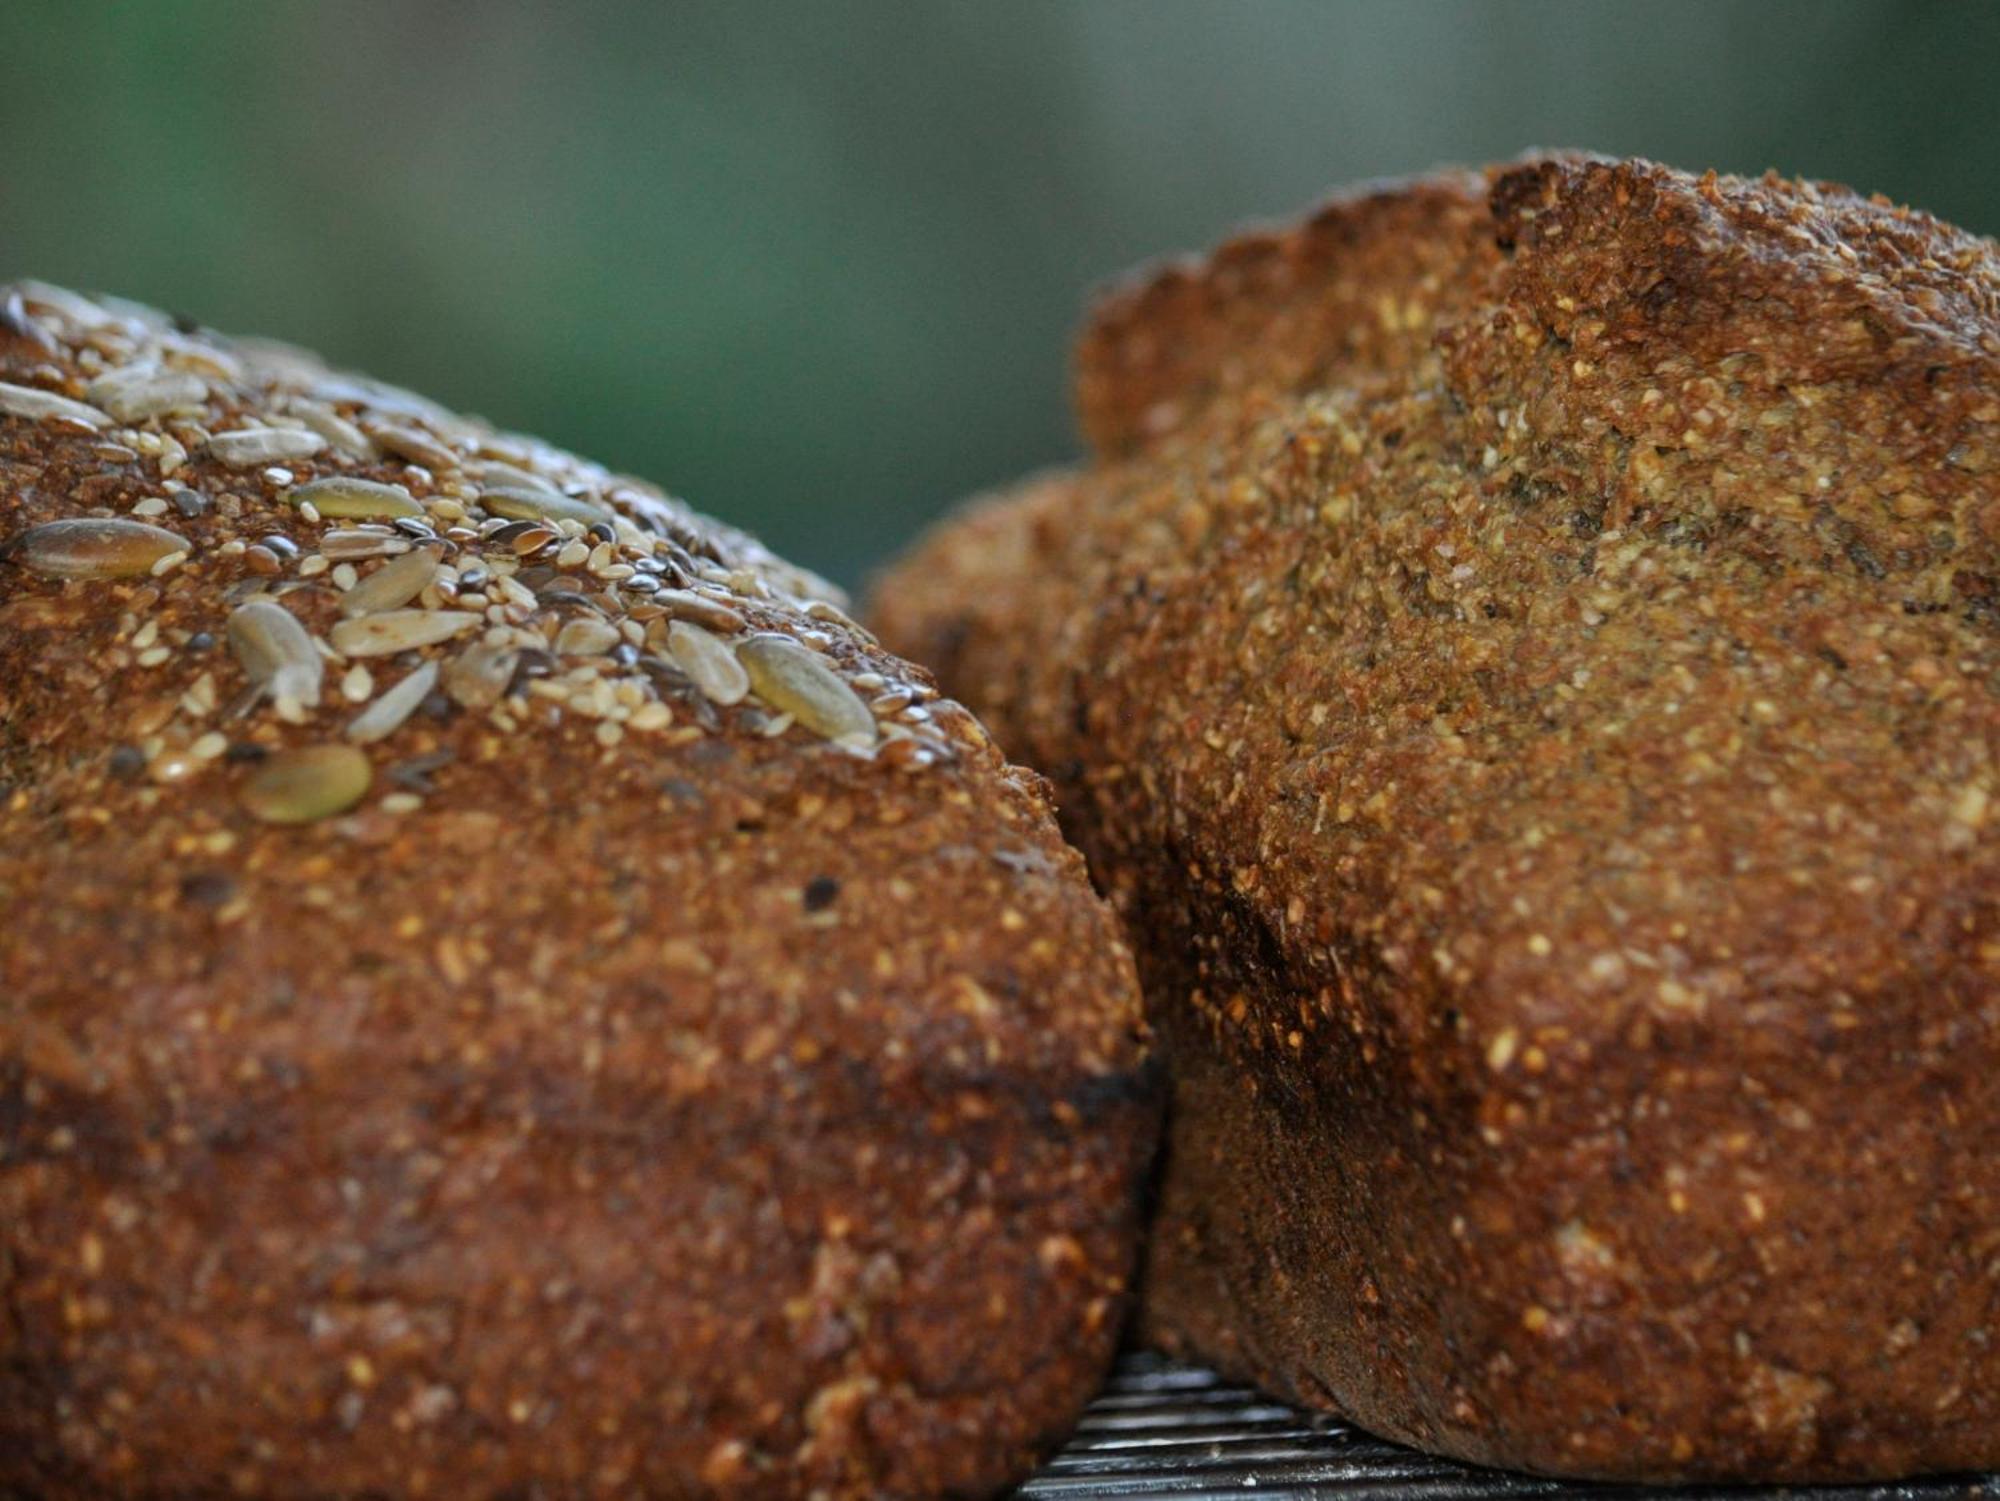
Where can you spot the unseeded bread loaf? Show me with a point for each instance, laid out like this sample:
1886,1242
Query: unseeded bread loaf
1523,657
505,991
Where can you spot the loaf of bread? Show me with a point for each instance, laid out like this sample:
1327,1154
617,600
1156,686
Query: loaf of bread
505,990
1523,658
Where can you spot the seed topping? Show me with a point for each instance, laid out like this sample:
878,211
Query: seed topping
709,663
393,585
276,653
386,715
347,498
307,784
520,504
136,393
40,406
91,547
797,681
479,676
391,631
253,447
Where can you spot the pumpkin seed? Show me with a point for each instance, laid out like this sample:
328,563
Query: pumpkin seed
519,504
248,447
797,681
91,547
38,405
391,631
478,677
393,585
307,784
710,665
350,499
138,392
386,715
276,653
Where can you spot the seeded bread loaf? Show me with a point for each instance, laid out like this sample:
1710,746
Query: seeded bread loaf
1523,657
505,990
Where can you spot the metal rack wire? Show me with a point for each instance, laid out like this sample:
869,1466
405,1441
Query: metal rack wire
1168,1430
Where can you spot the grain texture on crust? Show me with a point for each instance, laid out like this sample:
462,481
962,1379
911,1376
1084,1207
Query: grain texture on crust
459,1039
1531,685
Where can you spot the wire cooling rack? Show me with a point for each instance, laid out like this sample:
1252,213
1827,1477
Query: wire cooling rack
1162,1429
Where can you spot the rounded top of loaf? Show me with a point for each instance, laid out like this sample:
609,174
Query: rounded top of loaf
1565,593
357,729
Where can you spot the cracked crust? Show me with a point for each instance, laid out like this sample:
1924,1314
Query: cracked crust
1524,662
710,1108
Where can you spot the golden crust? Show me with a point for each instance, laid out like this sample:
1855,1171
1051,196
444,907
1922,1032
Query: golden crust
634,1090
1534,693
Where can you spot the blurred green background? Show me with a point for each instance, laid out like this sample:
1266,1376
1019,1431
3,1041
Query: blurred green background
815,266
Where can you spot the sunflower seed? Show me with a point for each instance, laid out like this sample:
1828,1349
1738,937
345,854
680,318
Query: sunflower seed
138,392
392,631
709,664
797,681
89,547
37,405
478,677
277,654
345,437
346,545
387,713
519,504
586,637
682,604
353,499
307,784
14,318
393,585
249,447
78,309
531,539
417,448
495,475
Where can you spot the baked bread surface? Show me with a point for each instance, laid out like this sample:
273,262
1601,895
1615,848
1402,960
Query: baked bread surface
506,1045
1522,657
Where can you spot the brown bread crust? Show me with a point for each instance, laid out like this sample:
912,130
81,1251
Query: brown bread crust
1524,662
629,1095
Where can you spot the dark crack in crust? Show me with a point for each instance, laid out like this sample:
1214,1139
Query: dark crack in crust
651,1080
1524,663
